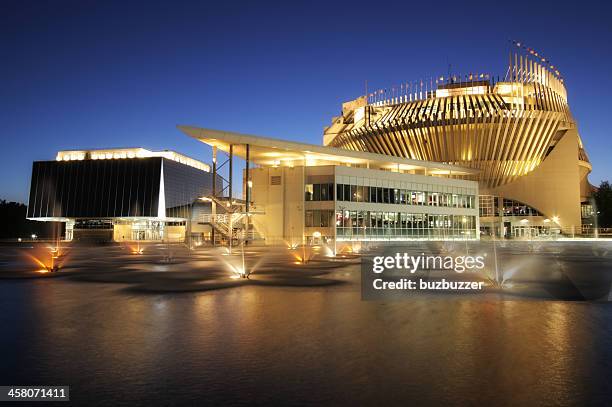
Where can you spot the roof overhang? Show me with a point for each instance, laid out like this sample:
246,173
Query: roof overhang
267,151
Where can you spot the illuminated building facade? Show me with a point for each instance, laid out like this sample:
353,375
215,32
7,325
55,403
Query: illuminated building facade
301,193
518,132
119,194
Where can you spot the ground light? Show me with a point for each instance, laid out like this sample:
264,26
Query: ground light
44,267
137,250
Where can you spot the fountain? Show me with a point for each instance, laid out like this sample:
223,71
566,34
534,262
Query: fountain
137,250
329,252
241,270
306,255
47,267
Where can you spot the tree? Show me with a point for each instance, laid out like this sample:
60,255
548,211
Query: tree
14,223
603,204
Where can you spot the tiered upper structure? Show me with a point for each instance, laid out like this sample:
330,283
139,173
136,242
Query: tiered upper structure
508,129
505,128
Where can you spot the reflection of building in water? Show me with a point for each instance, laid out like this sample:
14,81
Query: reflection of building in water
301,192
120,194
517,130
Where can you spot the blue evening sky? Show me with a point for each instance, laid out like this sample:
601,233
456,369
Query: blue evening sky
87,74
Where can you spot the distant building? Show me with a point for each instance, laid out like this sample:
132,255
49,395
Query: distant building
518,131
119,194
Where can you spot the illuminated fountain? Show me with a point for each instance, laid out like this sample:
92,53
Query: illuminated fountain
291,245
49,259
304,257
138,249
239,271
51,266
329,252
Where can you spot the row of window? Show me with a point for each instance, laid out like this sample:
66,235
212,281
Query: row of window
489,207
360,193
319,218
360,224
362,220
401,220
515,208
319,192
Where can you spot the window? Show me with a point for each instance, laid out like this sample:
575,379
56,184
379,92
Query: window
319,218
324,192
317,192
308,221
308,193
320,192
359,195
353,193
404,196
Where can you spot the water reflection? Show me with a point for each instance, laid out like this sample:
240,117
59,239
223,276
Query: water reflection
306,345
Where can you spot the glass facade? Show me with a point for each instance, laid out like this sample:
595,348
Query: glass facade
381,224
113,188
319,218
145,229
516,208
94,188
361,193
184,184
355,224
489,206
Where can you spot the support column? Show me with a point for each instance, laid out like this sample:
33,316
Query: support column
248,191
248,179
231,174
214,193
214,169
230,213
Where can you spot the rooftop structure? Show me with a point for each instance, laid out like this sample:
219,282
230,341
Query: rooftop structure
123,153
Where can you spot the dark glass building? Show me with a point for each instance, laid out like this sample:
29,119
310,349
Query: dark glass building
118,194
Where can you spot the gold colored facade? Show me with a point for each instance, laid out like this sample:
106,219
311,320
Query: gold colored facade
506,129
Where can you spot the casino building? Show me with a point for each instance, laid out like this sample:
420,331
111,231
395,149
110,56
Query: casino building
518,132
120,194
451,158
